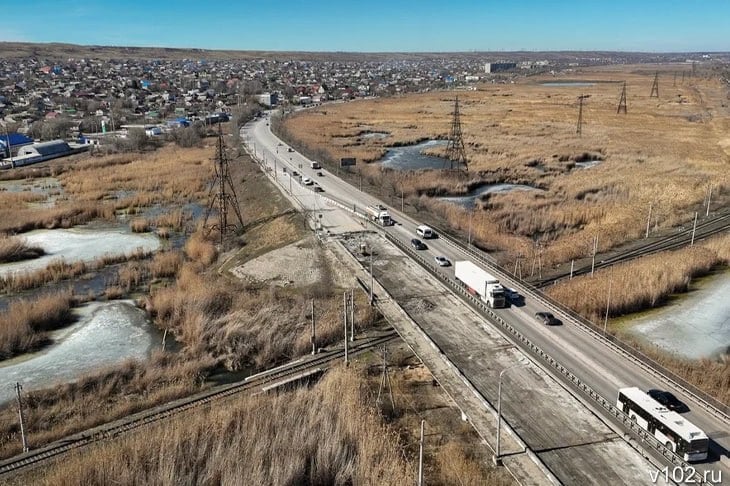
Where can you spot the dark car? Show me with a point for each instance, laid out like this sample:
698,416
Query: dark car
290,149
547,318
318,189
320,173
295,173
668,400
418,244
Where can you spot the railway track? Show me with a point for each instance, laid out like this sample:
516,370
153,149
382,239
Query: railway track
705,229
261,382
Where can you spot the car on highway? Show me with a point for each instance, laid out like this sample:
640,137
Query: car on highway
547,318
418,244
318,189
295,173
290,149
668,400
320,174
442,261
307,181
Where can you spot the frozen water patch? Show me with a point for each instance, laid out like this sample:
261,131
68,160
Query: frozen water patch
696,325
469,201
410,157
107,333
79,244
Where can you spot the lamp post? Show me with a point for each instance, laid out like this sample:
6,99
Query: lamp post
497,455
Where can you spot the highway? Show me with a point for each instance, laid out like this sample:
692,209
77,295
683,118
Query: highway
585,354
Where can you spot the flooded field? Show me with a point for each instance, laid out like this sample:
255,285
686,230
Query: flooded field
83,244
695,325
106,333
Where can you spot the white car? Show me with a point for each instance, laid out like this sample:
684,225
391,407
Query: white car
307,181
442,261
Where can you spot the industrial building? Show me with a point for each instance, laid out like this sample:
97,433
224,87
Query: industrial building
268,99
499,67
15,141
39,152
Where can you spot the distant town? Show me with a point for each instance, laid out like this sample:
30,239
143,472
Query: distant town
89,101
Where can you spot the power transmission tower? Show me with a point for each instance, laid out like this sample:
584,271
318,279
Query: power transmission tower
225,196
622,101
579,129
385,381
455,151
655,86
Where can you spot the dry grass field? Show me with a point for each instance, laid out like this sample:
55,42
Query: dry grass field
99,187
340,435
666,152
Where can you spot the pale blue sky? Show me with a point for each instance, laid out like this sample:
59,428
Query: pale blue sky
376,25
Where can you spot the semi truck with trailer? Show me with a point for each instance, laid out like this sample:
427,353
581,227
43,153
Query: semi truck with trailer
486,286
378,214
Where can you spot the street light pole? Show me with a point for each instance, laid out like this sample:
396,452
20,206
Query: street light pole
497,456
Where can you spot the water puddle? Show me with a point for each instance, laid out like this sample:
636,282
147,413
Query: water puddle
469,201
696,325
80,244
568,84
411,157
106,333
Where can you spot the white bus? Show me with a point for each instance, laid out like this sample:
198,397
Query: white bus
674,431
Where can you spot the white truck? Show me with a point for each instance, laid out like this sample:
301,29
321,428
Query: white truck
379,214
486,286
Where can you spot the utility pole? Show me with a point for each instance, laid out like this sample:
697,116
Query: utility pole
572,265
674,84
420,456
352,315
579,129
401,200
164,338
595,249
313,337
344,320
608,304
648,222
622,101
709,197
18,388
371,276
694,228
468,241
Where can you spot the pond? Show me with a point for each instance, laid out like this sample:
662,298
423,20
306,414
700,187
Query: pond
693,325
107,333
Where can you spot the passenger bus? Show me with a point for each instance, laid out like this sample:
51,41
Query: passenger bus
674,431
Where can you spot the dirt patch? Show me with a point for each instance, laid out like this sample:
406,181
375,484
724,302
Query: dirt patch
296,264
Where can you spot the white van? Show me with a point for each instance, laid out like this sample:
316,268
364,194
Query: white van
424,231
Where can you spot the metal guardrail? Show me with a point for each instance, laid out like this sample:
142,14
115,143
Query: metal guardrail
566,374
709,403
